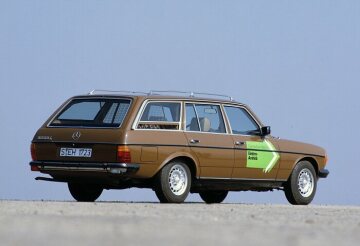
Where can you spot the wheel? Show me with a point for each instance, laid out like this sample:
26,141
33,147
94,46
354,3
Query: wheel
301,186
173,183
213,196
83,192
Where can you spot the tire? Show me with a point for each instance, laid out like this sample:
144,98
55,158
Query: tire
173,183
213,196
83,192
301,186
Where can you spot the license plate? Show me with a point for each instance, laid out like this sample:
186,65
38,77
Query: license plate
75,152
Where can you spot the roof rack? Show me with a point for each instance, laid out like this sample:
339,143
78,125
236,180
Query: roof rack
93,92
191,94
154,92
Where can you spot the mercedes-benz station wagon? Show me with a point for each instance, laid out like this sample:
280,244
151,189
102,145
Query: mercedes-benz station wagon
172,144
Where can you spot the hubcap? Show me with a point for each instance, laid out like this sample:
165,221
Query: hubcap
178,180
305,182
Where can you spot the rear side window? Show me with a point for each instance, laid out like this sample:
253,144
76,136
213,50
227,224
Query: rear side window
161,115
93,113
204,117
192,122
241,122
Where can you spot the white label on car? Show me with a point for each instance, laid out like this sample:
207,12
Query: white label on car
76,152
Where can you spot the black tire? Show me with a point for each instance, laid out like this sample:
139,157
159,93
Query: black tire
83,192
173,183
213,196
301,186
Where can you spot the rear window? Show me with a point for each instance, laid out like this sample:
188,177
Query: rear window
93,113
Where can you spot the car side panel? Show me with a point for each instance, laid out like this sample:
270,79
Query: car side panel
241,170
214,152
292,152
152,148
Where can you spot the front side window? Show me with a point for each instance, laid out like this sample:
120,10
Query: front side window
93,113
241,122
204,117
161,115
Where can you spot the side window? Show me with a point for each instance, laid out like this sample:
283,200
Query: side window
161,115
241,122
192,123
210,118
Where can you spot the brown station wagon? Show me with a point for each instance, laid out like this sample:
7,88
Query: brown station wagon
173,145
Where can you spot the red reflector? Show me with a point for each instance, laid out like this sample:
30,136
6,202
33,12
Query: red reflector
35,168
33,152
123,154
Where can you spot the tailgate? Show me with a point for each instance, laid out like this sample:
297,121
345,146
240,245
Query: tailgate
77,145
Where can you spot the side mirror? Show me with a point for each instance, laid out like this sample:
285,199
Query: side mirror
265,130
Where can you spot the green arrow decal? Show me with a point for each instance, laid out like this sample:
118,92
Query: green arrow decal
261,155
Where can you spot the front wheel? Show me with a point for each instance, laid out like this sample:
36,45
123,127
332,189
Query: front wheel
301,187
173,183
83,192
213,196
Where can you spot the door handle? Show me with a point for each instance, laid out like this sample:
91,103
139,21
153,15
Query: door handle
194,141
239,143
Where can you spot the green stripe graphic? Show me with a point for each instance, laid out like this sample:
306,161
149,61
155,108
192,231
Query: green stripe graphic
261,155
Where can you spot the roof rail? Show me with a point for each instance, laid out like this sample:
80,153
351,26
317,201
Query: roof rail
93,92
154,92
191,94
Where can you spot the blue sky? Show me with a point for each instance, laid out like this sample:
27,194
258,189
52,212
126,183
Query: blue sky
296,63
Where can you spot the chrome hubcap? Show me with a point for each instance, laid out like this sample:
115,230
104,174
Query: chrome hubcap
305,182
178,180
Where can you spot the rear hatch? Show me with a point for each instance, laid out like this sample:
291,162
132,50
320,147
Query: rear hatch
83,130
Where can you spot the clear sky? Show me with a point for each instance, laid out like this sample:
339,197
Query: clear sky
296,63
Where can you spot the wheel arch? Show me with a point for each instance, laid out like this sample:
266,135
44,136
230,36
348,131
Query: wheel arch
187,159
313,162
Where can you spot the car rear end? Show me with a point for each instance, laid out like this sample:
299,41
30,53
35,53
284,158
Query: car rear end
84,140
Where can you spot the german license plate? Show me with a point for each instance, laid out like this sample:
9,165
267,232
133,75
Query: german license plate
75,152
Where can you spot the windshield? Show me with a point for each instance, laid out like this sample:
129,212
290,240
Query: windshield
93,113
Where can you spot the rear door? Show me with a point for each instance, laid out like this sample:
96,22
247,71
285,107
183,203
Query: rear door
208,140
256,157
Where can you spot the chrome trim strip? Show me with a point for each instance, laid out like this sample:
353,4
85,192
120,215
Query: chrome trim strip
243,179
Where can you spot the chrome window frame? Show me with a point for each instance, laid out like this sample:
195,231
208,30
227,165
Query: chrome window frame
206,103
249,113
142,109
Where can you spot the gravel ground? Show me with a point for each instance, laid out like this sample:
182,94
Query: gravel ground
110,223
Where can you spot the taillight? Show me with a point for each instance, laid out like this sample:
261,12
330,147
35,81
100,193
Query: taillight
35,168
123,154
33,152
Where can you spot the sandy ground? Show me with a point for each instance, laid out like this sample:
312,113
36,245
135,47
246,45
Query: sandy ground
113,223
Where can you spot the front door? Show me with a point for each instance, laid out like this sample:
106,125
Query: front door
256,157
208,140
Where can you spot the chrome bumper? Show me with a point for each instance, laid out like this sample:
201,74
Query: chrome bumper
114,168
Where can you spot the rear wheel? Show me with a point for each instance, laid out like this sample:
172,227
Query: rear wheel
83,192
213,196
301,187
173,183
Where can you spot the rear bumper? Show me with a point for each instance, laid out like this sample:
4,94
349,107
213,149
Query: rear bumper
113,168
323,173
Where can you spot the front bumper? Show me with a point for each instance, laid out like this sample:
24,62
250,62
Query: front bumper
323,173
113,168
